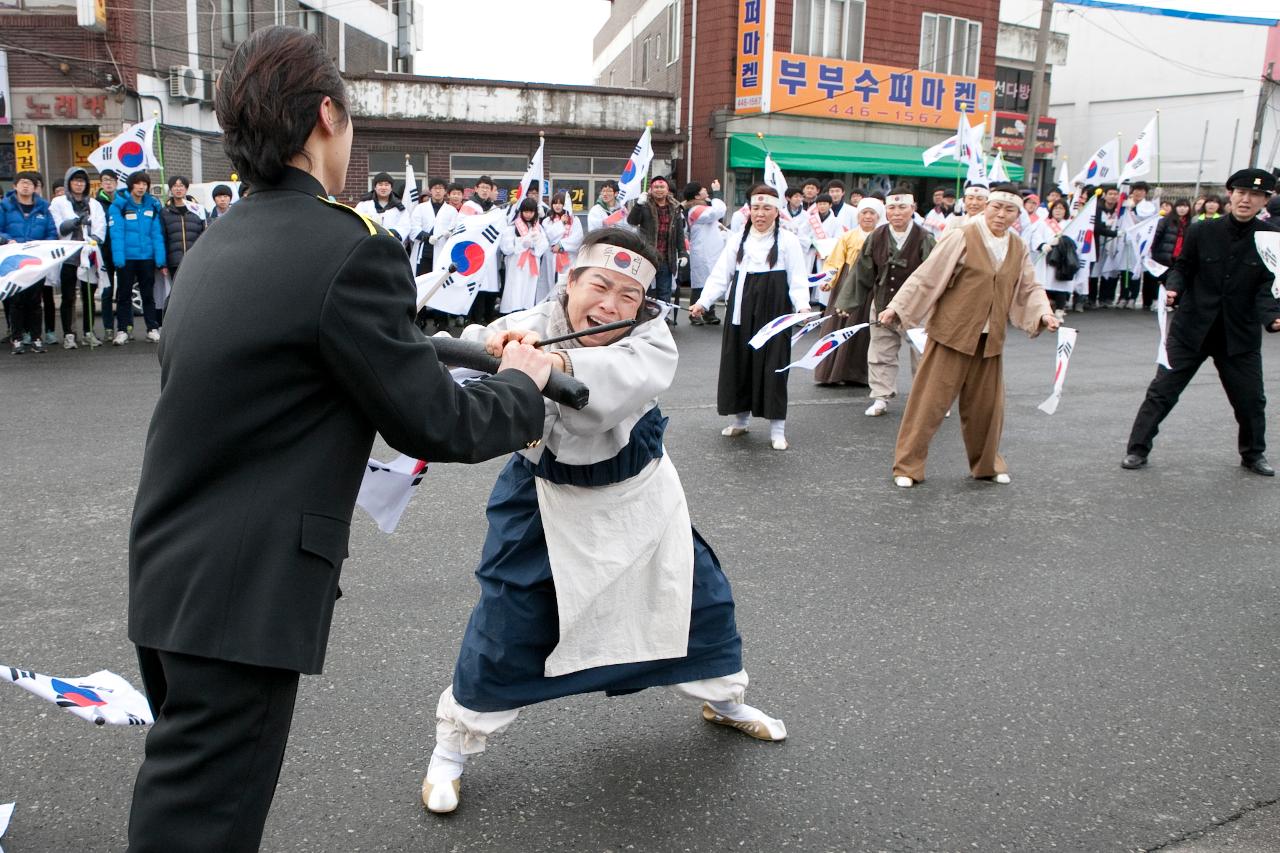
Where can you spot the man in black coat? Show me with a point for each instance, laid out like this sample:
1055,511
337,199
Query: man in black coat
1223,293
259,442
660,220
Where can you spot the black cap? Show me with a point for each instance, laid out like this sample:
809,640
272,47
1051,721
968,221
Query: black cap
382,176
1252,179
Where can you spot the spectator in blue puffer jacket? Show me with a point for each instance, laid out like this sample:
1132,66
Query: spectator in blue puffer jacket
25,216
137,249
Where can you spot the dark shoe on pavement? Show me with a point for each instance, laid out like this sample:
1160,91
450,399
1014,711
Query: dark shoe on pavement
1133,461
19,348
37,346
696,321
1260,466
710,318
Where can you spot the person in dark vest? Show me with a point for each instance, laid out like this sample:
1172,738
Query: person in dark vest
259,442
893,252
1223,292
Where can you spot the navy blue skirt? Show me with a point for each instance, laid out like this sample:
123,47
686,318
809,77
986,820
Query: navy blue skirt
515,626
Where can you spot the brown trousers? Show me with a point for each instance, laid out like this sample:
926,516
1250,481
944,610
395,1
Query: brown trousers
945,373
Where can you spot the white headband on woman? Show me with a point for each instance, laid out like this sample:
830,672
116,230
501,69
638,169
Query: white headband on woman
979,192
610,257
763,198
873,204
1006,197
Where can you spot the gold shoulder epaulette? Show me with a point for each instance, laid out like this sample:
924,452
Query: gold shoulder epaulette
373,227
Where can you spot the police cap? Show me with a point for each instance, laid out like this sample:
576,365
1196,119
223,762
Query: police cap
1252,179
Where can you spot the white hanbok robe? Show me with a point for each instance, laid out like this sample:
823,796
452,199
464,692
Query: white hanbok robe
728,274
422,223
706,239
523,249
393,218
818,246
556,263
600,216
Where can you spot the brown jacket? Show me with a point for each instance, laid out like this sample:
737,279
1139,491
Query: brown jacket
958,290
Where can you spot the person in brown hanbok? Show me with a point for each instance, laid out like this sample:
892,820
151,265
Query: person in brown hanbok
848,364
977,280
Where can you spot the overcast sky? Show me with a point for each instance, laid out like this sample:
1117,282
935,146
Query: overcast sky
534,41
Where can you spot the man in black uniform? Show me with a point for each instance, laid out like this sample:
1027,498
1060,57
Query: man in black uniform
259,441
1223,293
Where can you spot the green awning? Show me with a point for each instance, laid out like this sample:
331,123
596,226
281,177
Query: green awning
803,156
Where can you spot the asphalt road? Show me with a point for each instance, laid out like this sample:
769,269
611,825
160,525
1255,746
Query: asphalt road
1083,660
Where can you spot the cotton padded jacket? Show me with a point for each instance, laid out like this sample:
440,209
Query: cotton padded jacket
182,226
19,226
135,230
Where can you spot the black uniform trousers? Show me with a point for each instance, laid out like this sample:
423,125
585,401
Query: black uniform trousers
213,756
1241,376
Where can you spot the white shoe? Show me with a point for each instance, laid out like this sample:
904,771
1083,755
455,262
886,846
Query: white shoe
780,444
1061,315
731,431
92,340
122,338
903,482
748,720
441,797
876,409
1002,479
69,342
154,336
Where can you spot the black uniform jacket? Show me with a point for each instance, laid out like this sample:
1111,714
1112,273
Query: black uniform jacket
290,343
1220,272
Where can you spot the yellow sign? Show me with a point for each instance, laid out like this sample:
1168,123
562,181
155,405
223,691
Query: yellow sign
753,56
26,158
861,91
83,143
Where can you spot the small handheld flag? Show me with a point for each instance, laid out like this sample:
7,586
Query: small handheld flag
826,345
6,812
806,329
1066,344
387,487
820,278
1268,245
101,698
1162,320
469,247
779,324
1102,167
918,338
23,265
631,181
1141,154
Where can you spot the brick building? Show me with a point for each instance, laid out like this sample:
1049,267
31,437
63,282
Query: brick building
78,74
854,89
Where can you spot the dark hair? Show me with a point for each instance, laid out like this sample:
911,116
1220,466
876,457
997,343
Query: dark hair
1216,199
534,184
1173,211
33,177
528,204
1140,185
220,190
623,239
268,97
1058,202
611,184
764,189
794,191
691,190
565,201
176,178
383,178
823,197
862,191
834,183
57,184
657,178
903,189
138,177
437,182
108,173
453,187
948,192
807,181
485,179
878,196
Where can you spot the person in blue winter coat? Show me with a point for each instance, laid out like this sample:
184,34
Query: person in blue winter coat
137,250
25,216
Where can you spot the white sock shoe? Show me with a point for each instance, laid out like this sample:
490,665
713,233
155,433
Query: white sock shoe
739,425
444,780
879,407
746,719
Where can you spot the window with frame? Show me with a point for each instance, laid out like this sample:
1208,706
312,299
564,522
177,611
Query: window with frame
644,60
392,162
950,45
830,28
235,21
311,20
675,18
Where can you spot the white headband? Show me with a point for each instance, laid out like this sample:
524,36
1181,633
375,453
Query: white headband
901,198
1006,197
980,192
610,257
762,198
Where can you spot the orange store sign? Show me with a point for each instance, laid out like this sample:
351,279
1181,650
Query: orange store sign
861,91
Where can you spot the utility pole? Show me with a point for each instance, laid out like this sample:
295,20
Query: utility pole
1037,102
1260,118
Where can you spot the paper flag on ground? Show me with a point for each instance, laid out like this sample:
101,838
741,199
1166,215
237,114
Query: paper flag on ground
1162,320
387,487
103,697
6,812
1268,243
806,329
1066,344
826,345
778,324
918,339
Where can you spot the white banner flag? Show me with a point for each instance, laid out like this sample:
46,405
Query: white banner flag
1162,320
471,244
533,172
778,324
918,339
1080,230
826,345
997,172
23,265
1066,344
1101,168
103,697
411,193
773,177
1064,179
6,812
1268,245
806,329
632,180
948,147
387,487
1141,155
128,152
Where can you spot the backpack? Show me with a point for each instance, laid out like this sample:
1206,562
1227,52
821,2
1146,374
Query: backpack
1064,259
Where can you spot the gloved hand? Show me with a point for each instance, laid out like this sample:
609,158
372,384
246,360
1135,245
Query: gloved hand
68,227
643,198
683,262
432,240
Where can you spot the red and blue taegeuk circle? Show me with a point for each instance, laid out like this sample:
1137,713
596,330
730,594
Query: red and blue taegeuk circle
622,260
13,263
468,257
629,173
1093,169
82,697
130,154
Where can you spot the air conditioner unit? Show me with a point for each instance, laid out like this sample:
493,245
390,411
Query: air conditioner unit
190,84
